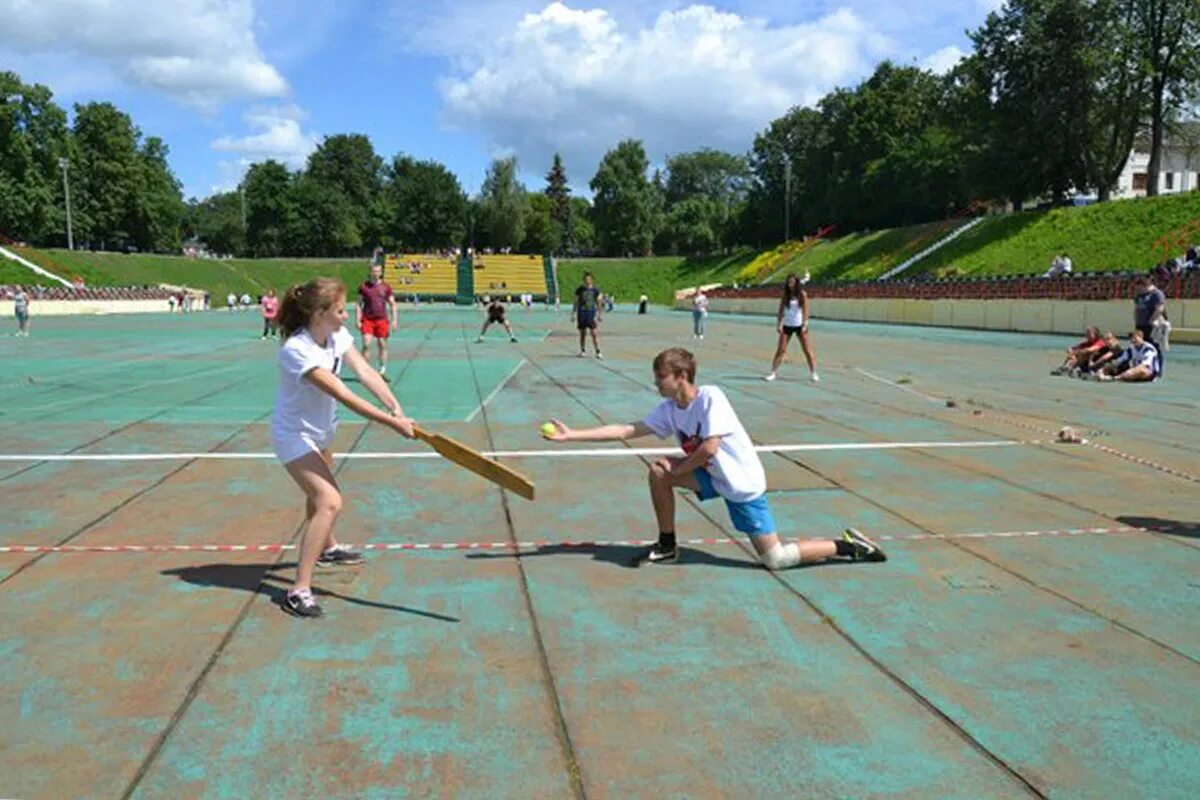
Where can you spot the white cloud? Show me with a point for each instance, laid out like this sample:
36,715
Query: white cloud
278,135
202,52
578,81
943,60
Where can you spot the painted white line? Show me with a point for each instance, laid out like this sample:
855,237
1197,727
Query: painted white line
601,452
873,377
496,391
432,546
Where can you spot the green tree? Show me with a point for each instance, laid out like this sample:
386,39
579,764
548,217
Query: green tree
428,205
270,209
502,205
795,144
1033,87
543,234
580,234
559,192
107,173
156,218
692,225
33,133
217,221
321,222
1168,32
627,206
347,164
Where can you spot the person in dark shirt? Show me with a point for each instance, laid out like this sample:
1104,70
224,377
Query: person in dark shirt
496,315
586,312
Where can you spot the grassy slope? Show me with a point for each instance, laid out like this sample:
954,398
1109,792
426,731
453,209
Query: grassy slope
1127,234
218,277
658,277
1118,235
860,256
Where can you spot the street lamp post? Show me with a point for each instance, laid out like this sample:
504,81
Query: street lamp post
65,164
787,197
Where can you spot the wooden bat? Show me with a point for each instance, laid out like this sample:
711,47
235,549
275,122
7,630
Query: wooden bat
478,463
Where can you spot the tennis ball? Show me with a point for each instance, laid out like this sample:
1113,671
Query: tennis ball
548,429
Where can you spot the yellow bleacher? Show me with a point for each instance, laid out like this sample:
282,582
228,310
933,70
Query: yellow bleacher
438,275
518,274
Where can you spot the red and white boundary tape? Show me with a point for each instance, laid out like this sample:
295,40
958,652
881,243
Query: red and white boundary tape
528,545
1103,448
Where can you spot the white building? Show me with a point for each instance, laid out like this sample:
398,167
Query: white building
1179,171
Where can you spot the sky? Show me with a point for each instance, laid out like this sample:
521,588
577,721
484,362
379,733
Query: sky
226,83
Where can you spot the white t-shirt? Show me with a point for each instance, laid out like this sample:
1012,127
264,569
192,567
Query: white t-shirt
700,302
300,407
20,302
737,473
793,314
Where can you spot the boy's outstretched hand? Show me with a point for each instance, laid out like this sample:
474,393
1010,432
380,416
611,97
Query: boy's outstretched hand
555,431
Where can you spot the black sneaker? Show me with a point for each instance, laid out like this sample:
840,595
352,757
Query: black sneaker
301,604
657,555
339,556
513,339
864,548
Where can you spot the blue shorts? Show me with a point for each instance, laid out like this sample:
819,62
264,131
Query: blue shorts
752,517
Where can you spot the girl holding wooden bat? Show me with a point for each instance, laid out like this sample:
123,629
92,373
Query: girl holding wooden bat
316,344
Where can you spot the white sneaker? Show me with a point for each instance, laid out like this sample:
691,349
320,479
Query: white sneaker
599,356
702,337
582,354
770,377
815,378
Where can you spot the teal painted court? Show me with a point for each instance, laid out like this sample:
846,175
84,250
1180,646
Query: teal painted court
1033,634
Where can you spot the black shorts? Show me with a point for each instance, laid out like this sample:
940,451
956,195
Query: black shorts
495,317
792,330
586,320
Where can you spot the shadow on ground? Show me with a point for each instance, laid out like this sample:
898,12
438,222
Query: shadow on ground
261,578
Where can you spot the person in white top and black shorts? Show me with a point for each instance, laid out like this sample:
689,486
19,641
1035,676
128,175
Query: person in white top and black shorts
792,319
312,319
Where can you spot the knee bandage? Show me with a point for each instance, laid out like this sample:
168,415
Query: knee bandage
781,556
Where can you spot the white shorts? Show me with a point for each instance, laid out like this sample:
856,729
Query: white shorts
298,445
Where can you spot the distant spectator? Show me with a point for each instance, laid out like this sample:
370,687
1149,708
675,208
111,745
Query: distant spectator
20,310
1061,265
230,301
270,313
1149,306
699,314
1192,258
643,301
245,301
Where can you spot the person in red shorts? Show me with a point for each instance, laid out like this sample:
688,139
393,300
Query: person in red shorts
376,309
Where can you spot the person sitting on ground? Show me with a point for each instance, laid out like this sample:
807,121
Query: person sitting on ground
1091,343
1139,363
1094,361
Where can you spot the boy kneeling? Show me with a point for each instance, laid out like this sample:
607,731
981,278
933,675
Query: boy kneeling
719,460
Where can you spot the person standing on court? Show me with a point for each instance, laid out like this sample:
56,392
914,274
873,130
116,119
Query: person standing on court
21,311
270,313
1150,312
376,316
699,314
586,312
792,320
